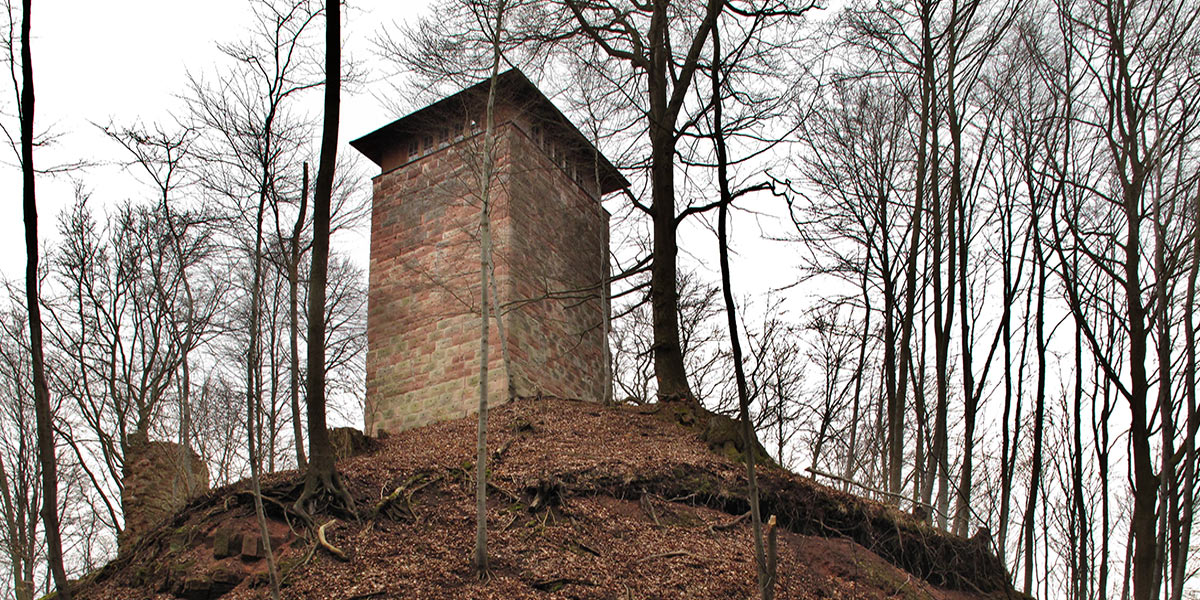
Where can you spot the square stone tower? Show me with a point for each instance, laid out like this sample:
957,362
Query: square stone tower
550,239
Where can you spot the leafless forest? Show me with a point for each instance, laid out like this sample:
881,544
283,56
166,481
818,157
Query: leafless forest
995,206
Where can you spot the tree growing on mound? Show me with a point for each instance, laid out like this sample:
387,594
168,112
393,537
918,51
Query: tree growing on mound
321,477
487,275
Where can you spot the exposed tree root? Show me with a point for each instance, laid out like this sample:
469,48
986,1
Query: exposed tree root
389,506
334,550
324,492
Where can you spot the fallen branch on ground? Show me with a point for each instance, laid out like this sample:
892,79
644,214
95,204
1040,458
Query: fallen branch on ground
666,555
649,508
730,525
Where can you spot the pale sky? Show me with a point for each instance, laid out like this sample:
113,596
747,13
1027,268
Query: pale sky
124,62
127,61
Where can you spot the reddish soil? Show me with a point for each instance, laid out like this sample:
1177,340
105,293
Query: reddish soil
589,503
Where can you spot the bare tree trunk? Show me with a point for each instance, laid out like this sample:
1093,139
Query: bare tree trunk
17,544
664,296
254,390
41,390
293,274
667,84
1008,439
893,450
1179,565
1145,486
1082,529
253,430
957,199
1035,477
766,579
1100,432
896,402
943,318
851,451
1168,494
480,559
322,473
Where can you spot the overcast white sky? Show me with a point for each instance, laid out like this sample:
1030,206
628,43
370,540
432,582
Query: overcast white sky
127,61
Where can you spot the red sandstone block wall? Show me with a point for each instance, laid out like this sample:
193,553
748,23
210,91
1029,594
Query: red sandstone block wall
560,244
551,237
423,299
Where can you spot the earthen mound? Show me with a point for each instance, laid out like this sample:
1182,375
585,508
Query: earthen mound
588,502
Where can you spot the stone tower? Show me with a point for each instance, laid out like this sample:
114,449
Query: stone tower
550,236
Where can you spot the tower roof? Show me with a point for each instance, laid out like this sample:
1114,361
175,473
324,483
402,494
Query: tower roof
513,89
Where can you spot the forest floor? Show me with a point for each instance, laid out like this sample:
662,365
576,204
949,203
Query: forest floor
588,502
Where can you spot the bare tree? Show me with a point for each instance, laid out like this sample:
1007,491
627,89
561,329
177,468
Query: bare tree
20,469
1146,91
322,477
486,280
775,380
856,163
41,390
640,39
830,352
293,276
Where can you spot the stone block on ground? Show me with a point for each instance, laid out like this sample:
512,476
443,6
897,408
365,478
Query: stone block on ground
223,543
252,547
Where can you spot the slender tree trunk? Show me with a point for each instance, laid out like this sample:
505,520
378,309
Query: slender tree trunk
943,297
970,399
848,469
1168,484
897,405
941,436
253,430
480,559
921,460
1193,419
1035,477
1145,481
15,543
271,419
293,274
1007,241
322,473
254,391
893,450
1082,529
1100,432
41,390
766,581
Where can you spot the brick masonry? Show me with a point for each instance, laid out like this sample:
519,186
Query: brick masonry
551,248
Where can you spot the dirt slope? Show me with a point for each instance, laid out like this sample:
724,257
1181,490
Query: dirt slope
590,502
